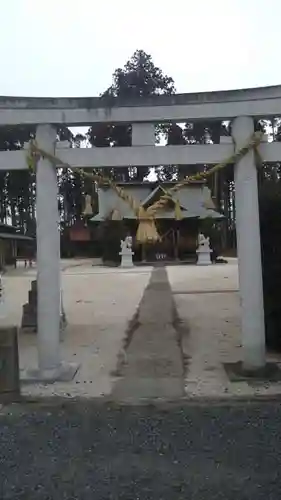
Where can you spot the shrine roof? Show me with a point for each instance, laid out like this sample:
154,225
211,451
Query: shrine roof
9,232
7,228
194,203
152,184
15,236
185,214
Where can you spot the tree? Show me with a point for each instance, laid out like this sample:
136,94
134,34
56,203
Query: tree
72,187
18,188
139,78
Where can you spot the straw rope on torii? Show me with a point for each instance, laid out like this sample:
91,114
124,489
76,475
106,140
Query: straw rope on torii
147,231
252,144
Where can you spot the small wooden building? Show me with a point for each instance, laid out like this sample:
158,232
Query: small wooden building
14,244
80,240
178,235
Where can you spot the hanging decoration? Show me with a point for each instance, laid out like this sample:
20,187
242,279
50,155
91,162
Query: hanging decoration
88,210
115,215
147,230
178,213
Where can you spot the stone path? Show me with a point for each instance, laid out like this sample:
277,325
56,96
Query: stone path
153,367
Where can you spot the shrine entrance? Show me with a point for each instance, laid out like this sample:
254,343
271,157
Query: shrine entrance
178,242
163,250
46,155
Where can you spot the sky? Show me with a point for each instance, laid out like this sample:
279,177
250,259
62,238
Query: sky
71,48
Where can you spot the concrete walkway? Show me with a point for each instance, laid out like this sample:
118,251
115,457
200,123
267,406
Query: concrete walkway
153,367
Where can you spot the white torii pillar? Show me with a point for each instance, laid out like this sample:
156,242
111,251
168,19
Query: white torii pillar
48,255
249,250
50,366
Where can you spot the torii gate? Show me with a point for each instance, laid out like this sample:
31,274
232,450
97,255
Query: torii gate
142,114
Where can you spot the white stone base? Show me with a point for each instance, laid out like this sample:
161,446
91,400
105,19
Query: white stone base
127,260
204,258
64,373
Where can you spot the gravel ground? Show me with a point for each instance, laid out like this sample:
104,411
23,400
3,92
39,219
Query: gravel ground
85,450
99,303
208,306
